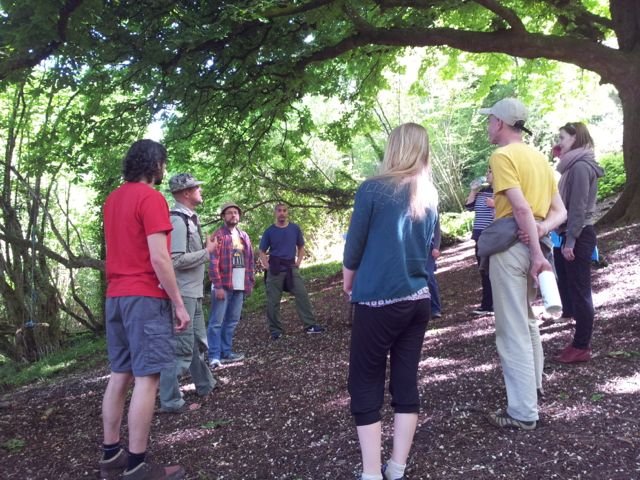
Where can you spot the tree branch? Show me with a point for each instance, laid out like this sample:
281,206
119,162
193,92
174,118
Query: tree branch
71,262
507,14
610,63
35,55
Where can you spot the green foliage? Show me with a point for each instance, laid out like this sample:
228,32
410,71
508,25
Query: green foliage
624,354
213,424
456,226
614,175
82,353
13,445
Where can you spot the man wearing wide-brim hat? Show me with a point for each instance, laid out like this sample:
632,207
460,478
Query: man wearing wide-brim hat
189,258
231,271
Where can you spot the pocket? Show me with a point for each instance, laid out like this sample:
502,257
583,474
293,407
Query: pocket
159,339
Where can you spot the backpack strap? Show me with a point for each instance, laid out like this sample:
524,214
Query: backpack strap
185,218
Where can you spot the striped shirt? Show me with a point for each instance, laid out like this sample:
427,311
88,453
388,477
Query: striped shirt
484,215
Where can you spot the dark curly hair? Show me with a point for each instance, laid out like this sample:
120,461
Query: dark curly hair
144,161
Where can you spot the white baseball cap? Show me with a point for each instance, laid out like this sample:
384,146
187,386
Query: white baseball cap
509,110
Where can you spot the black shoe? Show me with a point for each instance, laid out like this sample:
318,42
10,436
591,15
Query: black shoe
275,335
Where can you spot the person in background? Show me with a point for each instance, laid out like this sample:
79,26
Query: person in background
189,257
432,266
231,272
578,188
285,244
141,286
480,201
385,274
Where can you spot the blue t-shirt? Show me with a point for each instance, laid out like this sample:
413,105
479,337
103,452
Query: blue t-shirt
282,242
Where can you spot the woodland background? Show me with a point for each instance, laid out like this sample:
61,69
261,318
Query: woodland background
271,101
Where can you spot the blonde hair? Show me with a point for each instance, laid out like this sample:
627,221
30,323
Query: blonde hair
406,162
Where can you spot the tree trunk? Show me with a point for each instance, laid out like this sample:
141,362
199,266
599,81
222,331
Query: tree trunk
627,209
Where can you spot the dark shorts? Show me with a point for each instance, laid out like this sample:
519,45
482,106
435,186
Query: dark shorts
139,335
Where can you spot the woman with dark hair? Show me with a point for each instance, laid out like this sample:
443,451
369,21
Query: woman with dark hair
385,274
578,188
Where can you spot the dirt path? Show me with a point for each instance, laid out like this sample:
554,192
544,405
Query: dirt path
283,412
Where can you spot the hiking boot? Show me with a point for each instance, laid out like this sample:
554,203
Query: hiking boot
314,329
572,354
504,420
113,468
232,358
214,363
436,315
150,471
275,335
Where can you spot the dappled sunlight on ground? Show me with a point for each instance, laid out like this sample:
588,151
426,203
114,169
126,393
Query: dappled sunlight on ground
630,384
283,412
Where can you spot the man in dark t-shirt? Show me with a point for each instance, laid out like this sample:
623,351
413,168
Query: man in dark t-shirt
284,242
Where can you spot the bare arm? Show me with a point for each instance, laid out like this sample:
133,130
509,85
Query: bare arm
556,215
299,257
526,222
264,259
471,198
163,267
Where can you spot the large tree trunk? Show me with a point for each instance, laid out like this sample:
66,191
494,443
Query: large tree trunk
627,209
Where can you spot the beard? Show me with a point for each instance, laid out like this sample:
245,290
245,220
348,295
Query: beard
157,179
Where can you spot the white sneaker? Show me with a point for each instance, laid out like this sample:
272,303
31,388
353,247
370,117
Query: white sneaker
215,363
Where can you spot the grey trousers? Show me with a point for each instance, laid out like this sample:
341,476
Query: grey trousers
191,354
275,287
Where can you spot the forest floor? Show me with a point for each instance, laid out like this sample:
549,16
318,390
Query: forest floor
283,413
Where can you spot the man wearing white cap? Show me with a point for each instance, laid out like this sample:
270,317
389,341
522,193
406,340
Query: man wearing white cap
525,191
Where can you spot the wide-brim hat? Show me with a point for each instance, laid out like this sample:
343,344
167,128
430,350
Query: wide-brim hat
182,181
229,205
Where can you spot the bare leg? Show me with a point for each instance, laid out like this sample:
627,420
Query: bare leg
141,411
113,405
370,437
404,428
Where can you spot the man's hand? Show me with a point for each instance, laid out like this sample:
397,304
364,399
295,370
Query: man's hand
219,293
524,238
538,265
264,260
568,254
182,319
211,244
435,253
347,280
